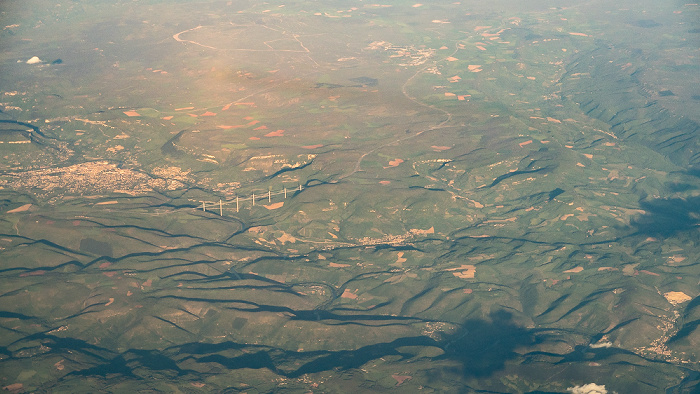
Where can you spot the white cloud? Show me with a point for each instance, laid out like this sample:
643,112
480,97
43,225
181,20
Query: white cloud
590,388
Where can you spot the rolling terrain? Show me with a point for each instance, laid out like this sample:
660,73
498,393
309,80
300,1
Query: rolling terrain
449,197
